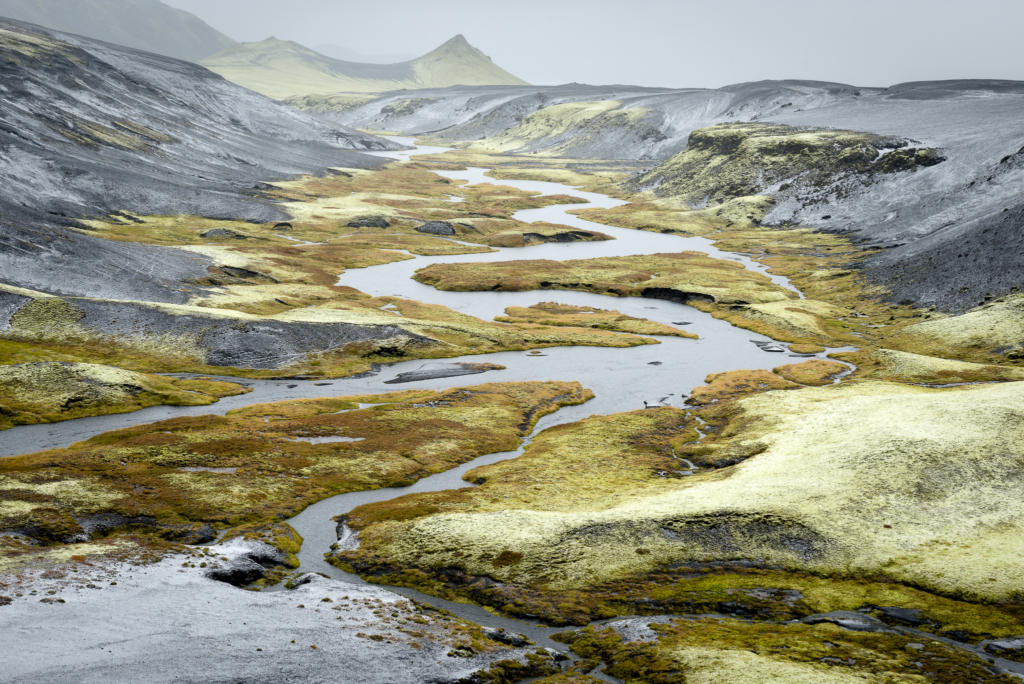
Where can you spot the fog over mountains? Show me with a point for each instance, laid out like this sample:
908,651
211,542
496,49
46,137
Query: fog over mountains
282,68
144,24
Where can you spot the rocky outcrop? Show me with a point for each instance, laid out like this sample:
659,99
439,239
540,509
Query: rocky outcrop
730,161
436,228
214,337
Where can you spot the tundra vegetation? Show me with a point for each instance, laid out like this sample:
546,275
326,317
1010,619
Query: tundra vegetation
262,463
878,482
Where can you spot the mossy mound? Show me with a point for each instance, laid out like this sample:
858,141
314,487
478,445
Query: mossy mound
864,478
814,373
49,392
555,314
707,651
899,366
734,160
684,277
978,335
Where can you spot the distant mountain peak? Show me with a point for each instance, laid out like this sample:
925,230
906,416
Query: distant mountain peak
281,69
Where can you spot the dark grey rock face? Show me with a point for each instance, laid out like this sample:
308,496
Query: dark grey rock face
88,129
436,228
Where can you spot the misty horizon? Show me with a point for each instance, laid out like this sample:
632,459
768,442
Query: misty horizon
663,44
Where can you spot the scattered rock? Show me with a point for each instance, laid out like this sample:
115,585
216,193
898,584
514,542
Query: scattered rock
855,622
570,236
431,371
1012,648
372,222
224,233
508,638
436,228
910,617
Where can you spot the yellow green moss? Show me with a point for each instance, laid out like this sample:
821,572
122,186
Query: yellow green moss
48,392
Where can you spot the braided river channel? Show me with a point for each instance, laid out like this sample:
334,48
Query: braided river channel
623,379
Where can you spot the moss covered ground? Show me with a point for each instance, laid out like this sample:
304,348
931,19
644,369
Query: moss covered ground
48,392
342,215
736,160
682,276
253,467
775,506
727,651
558,315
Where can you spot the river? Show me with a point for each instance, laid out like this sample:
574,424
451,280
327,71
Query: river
622,379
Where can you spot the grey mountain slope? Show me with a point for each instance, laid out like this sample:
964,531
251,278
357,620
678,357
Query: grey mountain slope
144,24
661,123
87,128
953,231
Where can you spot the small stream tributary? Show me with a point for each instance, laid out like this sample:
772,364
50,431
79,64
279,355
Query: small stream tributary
622,379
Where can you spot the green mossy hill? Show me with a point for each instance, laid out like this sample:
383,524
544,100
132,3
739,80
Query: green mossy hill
685,277
48,392
708,651
868,479
734,160
285,69
258,465
569,128
555,314
992,332
898,366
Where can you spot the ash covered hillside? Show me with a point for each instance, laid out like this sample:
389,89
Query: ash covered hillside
573,121
144,24
931,171
88,129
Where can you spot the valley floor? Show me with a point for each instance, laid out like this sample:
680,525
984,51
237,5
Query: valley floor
839,502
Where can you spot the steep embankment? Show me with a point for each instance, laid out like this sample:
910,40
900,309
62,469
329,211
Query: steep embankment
88,130
282,69
144,24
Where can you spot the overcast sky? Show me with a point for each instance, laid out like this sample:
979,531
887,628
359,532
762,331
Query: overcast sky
670,43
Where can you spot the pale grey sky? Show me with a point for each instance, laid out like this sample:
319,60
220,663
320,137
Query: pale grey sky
662,42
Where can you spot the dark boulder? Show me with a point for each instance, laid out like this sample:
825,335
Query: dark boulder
372,222
223,233
437,228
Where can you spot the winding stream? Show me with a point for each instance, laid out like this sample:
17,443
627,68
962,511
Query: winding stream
622,379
